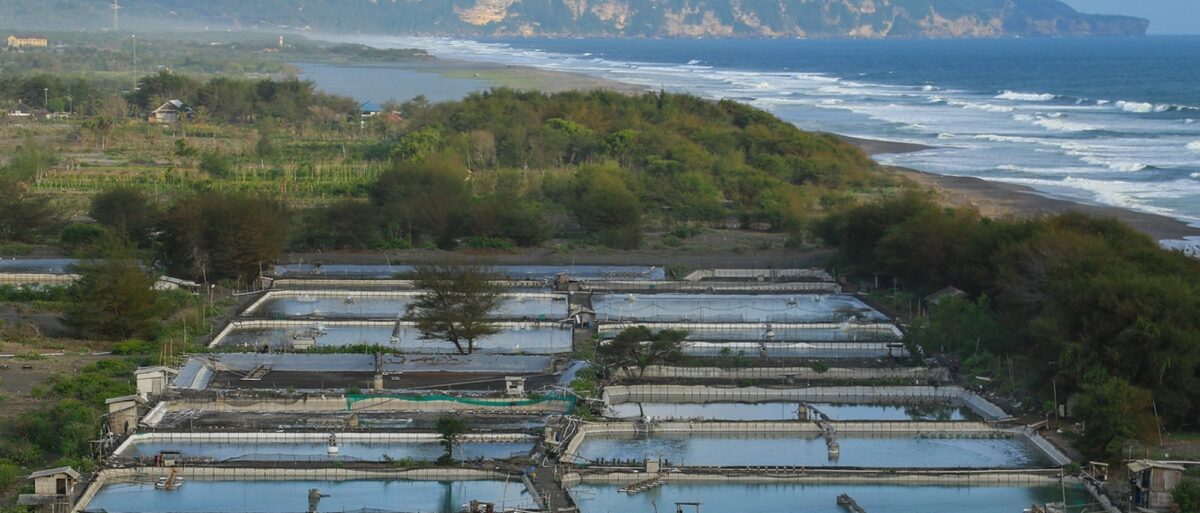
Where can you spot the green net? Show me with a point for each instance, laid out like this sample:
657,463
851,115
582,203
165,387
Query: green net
487,402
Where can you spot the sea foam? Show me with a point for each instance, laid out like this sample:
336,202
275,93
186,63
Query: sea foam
1025,97
1142,107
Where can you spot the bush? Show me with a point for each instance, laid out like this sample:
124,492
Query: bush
485,242
76,238
1187,496
133,346
215,164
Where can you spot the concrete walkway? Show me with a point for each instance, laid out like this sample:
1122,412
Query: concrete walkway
550,489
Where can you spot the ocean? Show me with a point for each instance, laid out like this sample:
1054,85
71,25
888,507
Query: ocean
1105,121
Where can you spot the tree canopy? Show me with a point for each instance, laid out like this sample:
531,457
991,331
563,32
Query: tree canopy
215,236
1086,302
456,304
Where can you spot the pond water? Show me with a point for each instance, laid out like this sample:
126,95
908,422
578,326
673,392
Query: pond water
383,83
821,498
542,307
833,349
197,496
774,334
513,272
36,265
317,451
783,410
527,340
731,308
771,449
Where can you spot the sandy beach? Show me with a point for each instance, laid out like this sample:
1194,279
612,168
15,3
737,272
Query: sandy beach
524,77
999,199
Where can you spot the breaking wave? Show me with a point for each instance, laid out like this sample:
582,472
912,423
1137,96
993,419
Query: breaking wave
1025,97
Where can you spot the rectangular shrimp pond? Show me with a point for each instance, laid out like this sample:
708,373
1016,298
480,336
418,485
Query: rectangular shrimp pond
732,308
391,305
822,498
222,447
514,338
769,333
794,349
511,272
809,450
288,496
785,410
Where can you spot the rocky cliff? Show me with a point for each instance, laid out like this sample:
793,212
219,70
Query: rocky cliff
605,18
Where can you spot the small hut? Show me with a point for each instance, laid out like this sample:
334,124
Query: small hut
53,491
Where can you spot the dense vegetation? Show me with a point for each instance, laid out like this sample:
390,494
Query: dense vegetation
498,165
243,101
274,164
1088,305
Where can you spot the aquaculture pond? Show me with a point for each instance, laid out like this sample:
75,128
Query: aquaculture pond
822,498
319,451
784,410
787,449
351,305
731,308
512,272
777,349
771,334
406,338
37,265
202,496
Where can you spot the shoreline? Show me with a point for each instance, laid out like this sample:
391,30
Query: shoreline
991,198
1000,199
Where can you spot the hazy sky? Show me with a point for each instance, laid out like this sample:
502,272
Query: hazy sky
1166,16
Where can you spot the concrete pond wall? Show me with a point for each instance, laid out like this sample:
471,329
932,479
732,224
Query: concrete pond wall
514,337
856,429
140,474
334,404
846,394
799,374
376,304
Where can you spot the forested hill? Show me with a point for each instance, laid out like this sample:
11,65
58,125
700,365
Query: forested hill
608,18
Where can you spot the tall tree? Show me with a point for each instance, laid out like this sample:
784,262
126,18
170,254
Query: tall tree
215,236
449,427
641,347
24,216
114,296
457,303
126,211
423,199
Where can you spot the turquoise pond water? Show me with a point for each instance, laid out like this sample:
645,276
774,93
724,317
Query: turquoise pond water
292,496
351,306
731,308
408,339
797,450
821,498
318,451
783,410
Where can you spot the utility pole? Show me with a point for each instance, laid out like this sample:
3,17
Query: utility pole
134,36
46,98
